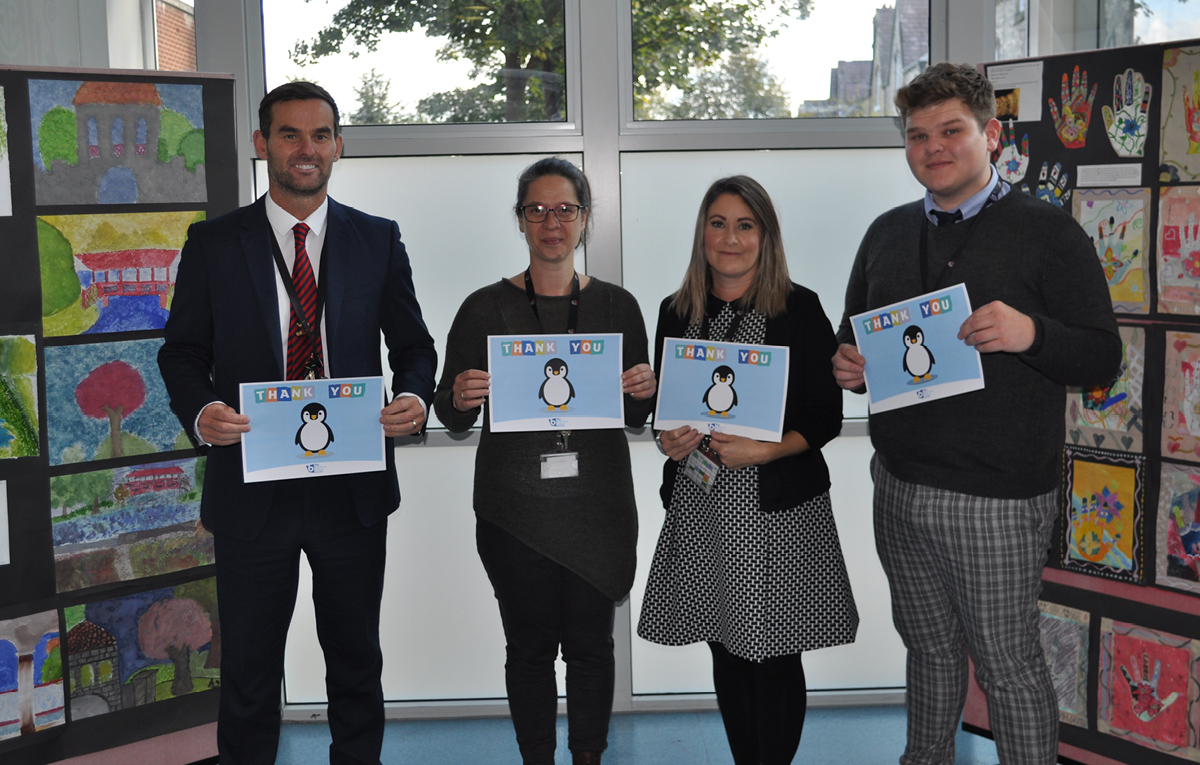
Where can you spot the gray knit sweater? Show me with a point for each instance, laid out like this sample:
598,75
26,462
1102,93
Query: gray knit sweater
1004,441
587,524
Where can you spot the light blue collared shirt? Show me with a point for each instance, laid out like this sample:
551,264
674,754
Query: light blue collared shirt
974,204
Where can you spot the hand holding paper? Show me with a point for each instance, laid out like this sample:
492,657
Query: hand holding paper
681,442
638,381
998,327
221,425
849,367
403,417
470,389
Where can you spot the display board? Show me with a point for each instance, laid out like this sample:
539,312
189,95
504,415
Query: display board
109,630
1113,136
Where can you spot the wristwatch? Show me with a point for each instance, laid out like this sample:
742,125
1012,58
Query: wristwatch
658,443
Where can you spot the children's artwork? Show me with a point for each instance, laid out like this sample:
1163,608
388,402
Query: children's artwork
307,428
1051,185
109,273
1125,120
1072,121
18,397
1179,250
1149,686
1065,644
913,352
1010,160
1178,537
1103,497
1110,416
135,650
1179,147
128,523
1181,397
108,400
1018,90
5,174
555,382
31,676
1116,220
733,388
117,142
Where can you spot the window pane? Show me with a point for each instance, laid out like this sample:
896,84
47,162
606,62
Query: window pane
403,62
756,59
1045,27
175,35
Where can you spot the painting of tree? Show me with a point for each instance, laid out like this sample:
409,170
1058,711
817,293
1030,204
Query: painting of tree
18,397
111,392
106,400
172,629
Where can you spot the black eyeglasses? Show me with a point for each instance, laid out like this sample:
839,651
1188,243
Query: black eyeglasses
564,213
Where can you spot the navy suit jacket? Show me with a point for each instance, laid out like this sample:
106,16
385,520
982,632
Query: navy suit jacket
224,330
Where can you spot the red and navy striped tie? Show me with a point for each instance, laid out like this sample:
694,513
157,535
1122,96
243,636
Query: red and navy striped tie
301,345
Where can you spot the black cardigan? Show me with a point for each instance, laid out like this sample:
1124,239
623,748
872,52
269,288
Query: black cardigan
814,400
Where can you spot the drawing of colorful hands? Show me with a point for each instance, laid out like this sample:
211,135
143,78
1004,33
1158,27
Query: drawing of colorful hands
1072,123
1126,127
1191,108
1144,693
1011,162
1052,187
1109,249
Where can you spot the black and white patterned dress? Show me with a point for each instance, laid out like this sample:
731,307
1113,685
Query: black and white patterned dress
761,584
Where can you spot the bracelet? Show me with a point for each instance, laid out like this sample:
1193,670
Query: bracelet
658,443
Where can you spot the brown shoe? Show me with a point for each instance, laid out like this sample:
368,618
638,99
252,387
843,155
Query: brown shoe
585,758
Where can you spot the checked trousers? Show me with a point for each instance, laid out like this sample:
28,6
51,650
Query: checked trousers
965,574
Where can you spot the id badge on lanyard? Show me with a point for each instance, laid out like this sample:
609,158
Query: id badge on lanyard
702,466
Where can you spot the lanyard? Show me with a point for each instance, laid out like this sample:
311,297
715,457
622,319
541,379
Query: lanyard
730,332
924,248
288,285
573,311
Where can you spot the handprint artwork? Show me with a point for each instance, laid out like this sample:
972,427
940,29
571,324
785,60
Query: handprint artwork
1179,250
1111,416
1102,531
1148,686
1115,220
1125,122
1012,162
1071,123
1177,557
1179,127
1052,188
1181,397
1064,634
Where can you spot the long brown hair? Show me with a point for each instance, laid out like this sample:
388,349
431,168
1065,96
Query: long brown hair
769,292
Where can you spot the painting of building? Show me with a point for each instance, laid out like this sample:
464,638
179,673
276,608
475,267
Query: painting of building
31,678
117,142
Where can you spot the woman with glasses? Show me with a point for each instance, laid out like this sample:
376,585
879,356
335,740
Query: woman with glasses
751,564
559,551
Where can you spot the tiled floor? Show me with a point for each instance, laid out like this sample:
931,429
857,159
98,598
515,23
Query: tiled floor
832,736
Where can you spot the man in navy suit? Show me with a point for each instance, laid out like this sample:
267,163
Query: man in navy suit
250,284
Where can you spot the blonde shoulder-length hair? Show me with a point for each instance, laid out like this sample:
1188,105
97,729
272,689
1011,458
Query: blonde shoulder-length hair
769,292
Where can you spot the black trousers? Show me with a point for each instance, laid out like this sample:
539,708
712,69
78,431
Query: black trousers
543,606
762,705
256,595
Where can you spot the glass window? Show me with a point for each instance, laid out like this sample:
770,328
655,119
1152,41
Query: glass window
755,59
1045,27
402,62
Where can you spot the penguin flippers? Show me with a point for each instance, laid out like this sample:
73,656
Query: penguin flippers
542,391
570,389
298,435
734,392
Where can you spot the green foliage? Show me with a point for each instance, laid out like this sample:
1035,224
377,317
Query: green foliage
173,126
18,420
57,138
191,148
60,283
52,667
18,356
741,87
201,467
82,490
130,445
374,107
482,103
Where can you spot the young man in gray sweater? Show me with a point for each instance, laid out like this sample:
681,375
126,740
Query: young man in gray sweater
966,487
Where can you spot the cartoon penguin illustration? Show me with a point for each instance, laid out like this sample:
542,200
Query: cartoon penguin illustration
556,389
918,360
720,396
314,436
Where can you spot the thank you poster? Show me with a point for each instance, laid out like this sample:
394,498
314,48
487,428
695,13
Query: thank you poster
735,388
307,428
913,352
555,382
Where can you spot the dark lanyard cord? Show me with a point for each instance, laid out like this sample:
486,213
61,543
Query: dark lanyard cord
572,312
290,286
924,249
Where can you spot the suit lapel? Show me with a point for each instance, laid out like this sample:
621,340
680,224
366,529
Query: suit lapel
256,246
340,242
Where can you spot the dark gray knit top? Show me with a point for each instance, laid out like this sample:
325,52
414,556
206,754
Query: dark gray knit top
589,523
1004,441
